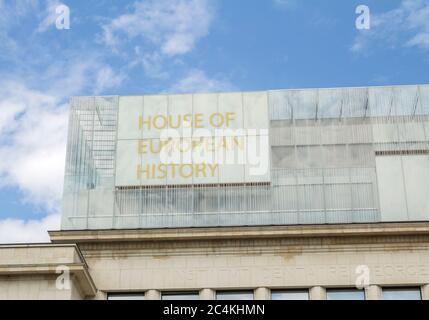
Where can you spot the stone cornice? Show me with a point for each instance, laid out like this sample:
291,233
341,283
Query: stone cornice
240,233
71,246
40,262
78,270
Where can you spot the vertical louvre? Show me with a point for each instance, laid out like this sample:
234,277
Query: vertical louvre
323,148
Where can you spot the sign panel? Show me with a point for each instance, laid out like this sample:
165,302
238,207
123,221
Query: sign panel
193,139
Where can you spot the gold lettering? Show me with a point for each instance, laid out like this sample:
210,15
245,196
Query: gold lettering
155,146
185,145
187,120
197,143
230,116
210,144
173,170
142,147
153,171
186,171
163,169
239,141
217,120
223,143
201,168
182,171
163,124
213,169
171,125
198,120
142,122
141,171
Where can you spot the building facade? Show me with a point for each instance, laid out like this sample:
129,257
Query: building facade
286,194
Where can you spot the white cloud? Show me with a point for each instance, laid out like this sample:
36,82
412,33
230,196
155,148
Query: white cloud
173,26
406,25
419,20
34,115
33,139
13,9
70,76
107,78
21,231
33,127
33,134
152,63
160,33
11,13
197,81
49,15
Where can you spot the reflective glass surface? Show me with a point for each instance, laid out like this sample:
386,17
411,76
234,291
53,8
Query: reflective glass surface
345,294
180,296
234,295
401,294
289,295
125,296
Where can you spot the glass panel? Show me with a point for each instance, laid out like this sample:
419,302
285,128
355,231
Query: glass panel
405,100
354,102
289,295
324,143
303,103
279,105
330,103
234,295
125,296
380,101
180,296
345,294
402,294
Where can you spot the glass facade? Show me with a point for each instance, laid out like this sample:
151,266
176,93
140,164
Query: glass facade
180,296
402,294
234,295
335,154
345,294
125,296
289,295
393,293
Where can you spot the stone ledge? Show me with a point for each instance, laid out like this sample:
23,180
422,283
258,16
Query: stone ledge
228,233
77,271
42,262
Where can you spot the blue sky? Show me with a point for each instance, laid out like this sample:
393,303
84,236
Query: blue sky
138,47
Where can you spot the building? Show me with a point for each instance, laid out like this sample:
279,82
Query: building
286,194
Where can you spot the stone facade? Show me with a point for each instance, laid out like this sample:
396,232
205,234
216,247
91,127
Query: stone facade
35,287
44,272
206,260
